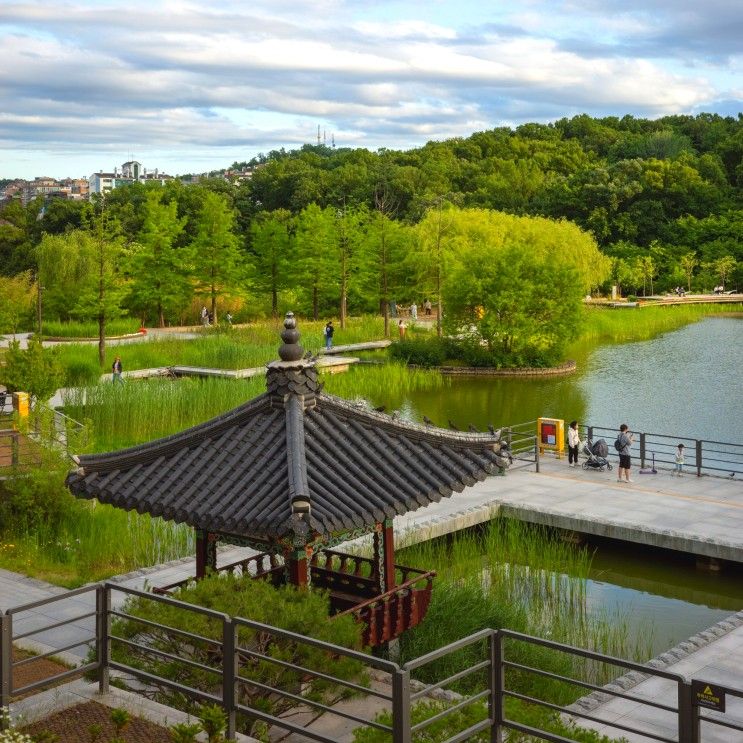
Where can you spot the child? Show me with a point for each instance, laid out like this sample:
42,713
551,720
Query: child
679,460
573,443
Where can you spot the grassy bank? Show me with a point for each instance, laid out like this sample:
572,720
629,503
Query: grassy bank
626,325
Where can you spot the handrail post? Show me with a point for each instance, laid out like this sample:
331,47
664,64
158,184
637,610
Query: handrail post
6,661
536,453
401,732
103,635
642,449
229,673
699,457
495,701
688,715
14,448
589,433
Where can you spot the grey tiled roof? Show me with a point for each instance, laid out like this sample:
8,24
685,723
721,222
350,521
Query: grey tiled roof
237,473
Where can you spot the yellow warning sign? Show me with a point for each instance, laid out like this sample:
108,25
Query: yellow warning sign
708,695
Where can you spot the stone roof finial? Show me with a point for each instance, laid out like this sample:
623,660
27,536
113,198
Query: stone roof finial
290,350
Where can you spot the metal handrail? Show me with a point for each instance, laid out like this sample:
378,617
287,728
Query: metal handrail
494,664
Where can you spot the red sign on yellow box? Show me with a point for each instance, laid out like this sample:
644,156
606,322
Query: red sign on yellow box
551,435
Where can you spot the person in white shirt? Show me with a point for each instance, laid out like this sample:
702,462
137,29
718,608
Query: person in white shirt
573,443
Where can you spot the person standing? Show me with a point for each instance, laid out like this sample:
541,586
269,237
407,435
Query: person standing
573,443
402,328
623,444
393,308
427,306
679,460
414,311
205,316
116,369
329,330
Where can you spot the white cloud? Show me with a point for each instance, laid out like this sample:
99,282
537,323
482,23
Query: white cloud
154,74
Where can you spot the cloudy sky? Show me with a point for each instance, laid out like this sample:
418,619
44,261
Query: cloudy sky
190,86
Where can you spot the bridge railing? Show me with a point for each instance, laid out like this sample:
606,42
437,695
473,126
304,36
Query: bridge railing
701,456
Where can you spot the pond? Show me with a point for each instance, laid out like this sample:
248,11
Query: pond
683,383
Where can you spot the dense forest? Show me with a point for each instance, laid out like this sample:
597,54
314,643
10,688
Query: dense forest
346,230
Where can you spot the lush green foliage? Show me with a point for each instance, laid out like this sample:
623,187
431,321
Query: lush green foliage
455,722
35,369
325,231
298,611
523,578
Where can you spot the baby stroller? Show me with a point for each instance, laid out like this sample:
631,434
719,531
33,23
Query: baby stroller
596,454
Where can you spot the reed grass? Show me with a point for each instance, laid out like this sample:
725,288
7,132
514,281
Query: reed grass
83,329
92,542
526,578
135,412
374,381
625,325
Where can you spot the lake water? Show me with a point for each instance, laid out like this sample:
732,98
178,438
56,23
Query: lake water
683,383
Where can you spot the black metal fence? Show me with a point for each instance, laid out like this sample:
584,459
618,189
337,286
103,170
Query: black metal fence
720,458
701,456
495,671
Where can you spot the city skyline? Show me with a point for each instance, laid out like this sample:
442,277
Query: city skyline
87,85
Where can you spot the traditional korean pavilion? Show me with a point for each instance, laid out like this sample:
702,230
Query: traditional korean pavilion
293,473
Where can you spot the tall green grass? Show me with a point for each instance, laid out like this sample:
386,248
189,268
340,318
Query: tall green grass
92,542
624,325
135,412
372,381
219,348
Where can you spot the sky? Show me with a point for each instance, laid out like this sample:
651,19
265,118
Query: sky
187,87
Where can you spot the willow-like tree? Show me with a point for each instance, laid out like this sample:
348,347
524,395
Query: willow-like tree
517,283
218,265
159,270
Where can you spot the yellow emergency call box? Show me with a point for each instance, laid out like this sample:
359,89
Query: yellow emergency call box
20,404
551,435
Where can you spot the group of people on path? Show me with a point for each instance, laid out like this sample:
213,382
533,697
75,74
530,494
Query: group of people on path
623,445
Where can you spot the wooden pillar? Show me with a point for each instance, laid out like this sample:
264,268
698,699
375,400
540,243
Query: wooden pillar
206,552
296,565
388,556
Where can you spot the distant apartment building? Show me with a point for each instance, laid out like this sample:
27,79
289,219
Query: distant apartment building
48,188
131,172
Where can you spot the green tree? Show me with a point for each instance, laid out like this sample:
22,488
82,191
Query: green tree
271,242
314,267
159,271
724,266
434,255
17,294
688,263
218,264
36,370
102,289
